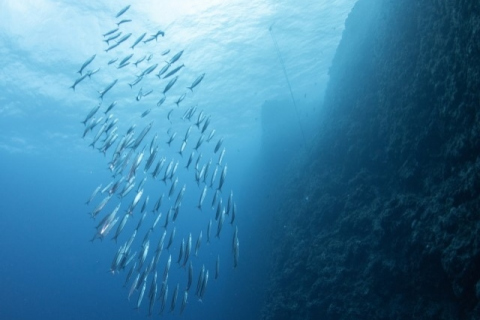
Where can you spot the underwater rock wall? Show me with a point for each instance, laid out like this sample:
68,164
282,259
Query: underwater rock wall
381,220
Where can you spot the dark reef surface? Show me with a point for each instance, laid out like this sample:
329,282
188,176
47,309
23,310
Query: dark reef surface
381,218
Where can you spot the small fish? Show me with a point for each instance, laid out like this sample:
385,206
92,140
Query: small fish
171,138
149,70
113,46
190,159
121,226
120,66
164,296
218,145
180,99
202,197
123,21
94,193
199,142
190,276
180,195
124,60
122,11
140,94
78,81
217,267
86,63
220,158
222,178
184,301
91,114
134,285
113,37
107,88
171,73
234,213
92,72
236,249
174,298
204,285
210,136
209,227
135,82
124,38
110,32
182,148
175,57
170,240
172,188
229,202
196,82
148,92
182,250
138,40
170,84
140,60
161,101
142,292
205,124
145,113
197,245
110,107
163,70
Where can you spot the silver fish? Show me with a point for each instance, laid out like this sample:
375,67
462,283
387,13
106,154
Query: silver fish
174,298
94,193
184,301
91,114
86,63
202,197
196,82
188,248
222,178
217,267
123,21
78,81
171,73
172,236
142,292
107,88
175,57
125,60
170,84
218,145
110,32
138,40
190,276
198,244
122,11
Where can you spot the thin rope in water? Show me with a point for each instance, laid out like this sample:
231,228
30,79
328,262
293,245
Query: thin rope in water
288,83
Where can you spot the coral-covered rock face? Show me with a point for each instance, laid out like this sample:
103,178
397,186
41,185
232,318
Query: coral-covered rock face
391,227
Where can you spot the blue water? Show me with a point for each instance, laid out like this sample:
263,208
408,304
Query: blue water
49,267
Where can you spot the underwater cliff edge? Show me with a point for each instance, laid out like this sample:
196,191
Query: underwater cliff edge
380,220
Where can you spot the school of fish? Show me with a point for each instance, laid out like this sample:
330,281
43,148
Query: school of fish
164,152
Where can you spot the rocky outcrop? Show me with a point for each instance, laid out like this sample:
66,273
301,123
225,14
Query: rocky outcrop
381,220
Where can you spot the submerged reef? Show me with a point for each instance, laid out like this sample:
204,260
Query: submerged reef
381,219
